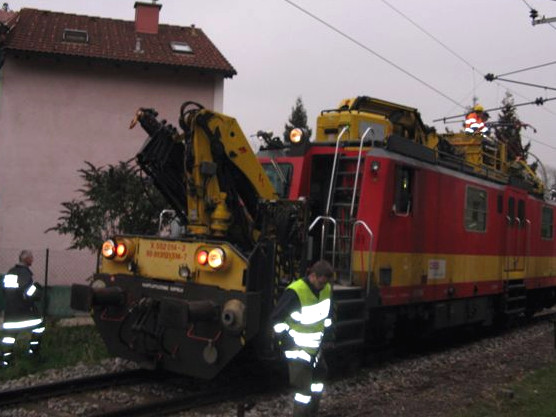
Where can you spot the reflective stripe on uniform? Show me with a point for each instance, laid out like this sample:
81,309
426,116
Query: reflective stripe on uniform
8,340
21,324
327,322
298,354
317,387
10,281
303,399
31,290
38,330
280,327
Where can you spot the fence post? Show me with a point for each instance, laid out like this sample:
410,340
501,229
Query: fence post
45,293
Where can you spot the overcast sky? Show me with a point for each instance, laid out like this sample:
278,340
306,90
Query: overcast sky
438,52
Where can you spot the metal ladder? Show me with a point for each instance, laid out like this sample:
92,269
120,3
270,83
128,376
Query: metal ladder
348,301
342,204
515,297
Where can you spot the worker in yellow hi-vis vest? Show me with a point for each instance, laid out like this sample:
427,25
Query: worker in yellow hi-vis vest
300,319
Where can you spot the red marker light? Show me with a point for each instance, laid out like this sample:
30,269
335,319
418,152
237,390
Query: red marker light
202,257
121,250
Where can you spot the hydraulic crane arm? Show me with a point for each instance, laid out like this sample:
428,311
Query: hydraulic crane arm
208,173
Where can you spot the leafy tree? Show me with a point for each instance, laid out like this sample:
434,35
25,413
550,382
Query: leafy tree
509,127
298,118
115,199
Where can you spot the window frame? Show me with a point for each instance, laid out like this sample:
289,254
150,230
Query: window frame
544,225
181,47
469,212
75,36
406,208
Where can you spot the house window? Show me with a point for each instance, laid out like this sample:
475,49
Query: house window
547,223
181,47
75,35
475,209
403,191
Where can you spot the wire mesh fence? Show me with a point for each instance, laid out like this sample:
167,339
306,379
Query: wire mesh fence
54,267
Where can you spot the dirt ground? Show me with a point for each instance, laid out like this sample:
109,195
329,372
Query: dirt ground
436,385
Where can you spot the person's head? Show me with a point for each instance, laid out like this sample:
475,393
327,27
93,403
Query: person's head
478,108
26,257
320,274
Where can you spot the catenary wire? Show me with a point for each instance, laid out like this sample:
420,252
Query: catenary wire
458,55
430,35
528,68
365,47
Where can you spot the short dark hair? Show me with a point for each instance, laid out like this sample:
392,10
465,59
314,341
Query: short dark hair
322,268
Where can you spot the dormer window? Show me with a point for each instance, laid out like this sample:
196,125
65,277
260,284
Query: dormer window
75,35
181,47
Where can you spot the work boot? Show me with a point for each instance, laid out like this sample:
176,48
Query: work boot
300,410
314,406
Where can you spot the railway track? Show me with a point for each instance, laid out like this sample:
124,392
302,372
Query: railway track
238,394
149,393
40,392
176,394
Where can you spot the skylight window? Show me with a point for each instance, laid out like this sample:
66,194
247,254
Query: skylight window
75,35
181,47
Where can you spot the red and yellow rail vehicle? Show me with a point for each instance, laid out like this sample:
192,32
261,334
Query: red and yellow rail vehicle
438,230
426,232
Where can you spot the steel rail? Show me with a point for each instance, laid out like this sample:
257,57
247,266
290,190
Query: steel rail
55,389
190,401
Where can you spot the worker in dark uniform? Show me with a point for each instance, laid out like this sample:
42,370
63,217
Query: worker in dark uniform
299,319
20,314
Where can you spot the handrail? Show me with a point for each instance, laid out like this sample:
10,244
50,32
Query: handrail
370,232
369,129
527,243
278,170
324,219
327,211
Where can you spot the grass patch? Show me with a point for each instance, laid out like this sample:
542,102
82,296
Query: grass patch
533,396
60,347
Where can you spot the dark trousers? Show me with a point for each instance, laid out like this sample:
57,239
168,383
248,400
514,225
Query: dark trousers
307,379
8,340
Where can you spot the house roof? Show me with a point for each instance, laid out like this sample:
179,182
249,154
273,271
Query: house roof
42,31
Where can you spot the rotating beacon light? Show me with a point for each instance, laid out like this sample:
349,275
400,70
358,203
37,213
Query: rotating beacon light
298,136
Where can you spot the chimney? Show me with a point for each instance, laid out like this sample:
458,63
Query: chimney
146,17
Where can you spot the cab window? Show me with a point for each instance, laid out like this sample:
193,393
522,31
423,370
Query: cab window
279,175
